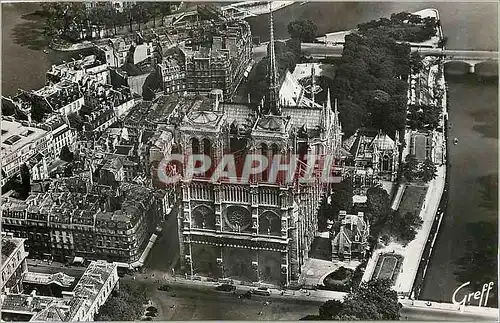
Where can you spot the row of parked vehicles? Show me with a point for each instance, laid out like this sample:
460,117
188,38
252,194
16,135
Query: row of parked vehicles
262,291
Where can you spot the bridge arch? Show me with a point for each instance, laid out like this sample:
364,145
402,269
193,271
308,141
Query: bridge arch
458,67
487,68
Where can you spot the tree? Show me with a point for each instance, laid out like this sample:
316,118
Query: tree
378,203
416,62
341,198
404,227
428,171
330,309
410,168
66,154
442,42
372,300
140,14
164,9
126,306
75,121
294,45
303,29
376,294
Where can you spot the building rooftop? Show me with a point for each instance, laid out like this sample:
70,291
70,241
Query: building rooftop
63,309
16,135
60,279
9,245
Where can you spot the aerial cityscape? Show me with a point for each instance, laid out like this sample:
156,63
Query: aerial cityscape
249,160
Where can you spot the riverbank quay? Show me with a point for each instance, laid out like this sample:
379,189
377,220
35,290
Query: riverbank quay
413,252
68,47
486,313
416,254
434,233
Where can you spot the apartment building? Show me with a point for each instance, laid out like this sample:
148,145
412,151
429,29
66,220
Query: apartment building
20,143
94,225
79,305
13,264
87,69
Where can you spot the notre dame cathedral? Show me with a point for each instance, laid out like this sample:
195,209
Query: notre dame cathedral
259,230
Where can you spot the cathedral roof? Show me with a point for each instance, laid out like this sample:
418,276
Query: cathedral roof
383,142
272,123
202,117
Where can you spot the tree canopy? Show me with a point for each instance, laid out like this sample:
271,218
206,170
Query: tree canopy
402,26
403,227
70,20
305,30
428,171
75,121
372,300
371,83
423,117
341,198
378,203
410,168
66,154
126,305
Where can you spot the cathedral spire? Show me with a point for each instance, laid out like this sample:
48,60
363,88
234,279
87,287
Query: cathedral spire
313,86
328,100
273,104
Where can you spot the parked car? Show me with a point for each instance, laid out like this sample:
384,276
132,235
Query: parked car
226,288
164,288
263,291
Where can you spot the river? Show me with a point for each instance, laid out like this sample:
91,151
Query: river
471,219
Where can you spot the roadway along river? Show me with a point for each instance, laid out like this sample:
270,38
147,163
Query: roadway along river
473,201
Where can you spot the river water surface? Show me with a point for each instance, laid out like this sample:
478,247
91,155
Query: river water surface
466,248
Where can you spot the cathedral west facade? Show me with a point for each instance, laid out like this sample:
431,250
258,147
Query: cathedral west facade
259,230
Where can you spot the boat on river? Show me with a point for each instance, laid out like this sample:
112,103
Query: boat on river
455,141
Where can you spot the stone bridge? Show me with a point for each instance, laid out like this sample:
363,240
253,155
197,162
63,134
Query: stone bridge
469,57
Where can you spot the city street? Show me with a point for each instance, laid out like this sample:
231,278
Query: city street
199,302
